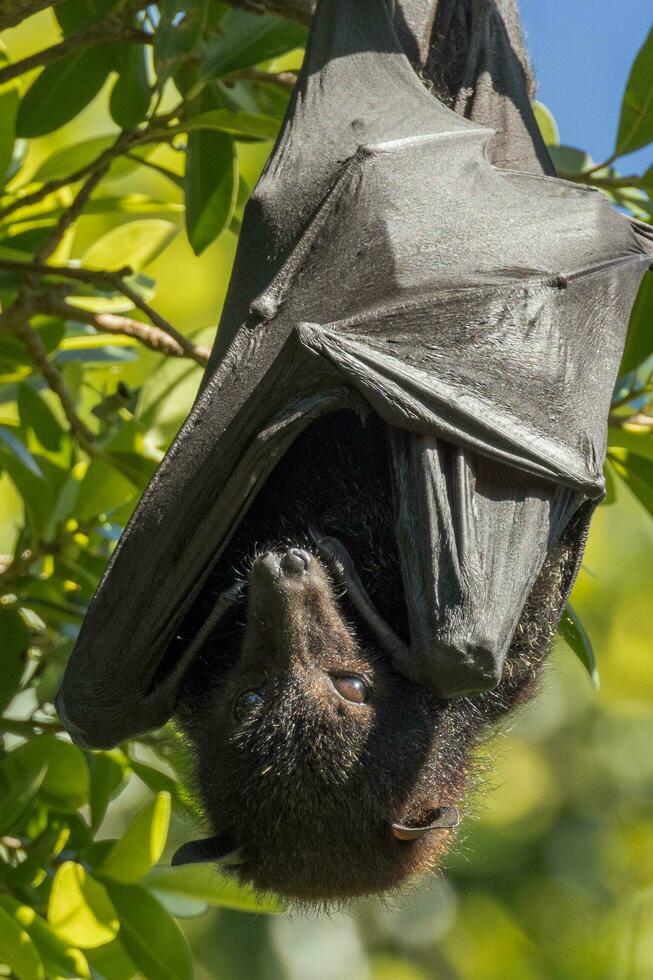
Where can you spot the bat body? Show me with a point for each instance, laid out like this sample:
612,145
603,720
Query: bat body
403,426
301,784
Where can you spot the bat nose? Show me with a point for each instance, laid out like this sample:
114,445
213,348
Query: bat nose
295,561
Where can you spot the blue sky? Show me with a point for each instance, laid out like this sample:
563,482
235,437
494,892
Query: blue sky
582,51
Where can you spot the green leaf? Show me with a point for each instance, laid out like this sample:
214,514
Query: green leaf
210,186
36,414
9,100
247,39
73,15
574,634
205,883
59,959
18,794
80,910
637,473
108,772
68,159
14,643
10,444
150,935
633,440
66,783
636,122
569,159
547,124
111,962
131,95
141,845
135,243
234,123
639,342
154,779
62,90
179,32
17,949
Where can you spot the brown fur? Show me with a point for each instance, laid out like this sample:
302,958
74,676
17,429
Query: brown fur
310,785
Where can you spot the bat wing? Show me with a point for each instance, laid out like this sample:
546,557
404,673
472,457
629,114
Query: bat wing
481,313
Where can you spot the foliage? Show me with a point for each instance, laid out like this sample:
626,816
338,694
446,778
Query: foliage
130,135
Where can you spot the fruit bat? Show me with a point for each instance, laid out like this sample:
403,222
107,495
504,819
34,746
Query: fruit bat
467,319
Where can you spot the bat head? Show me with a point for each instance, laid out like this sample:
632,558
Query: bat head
313,748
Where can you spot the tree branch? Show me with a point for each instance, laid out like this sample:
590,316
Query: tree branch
109,30
284,79
116,279
152,133
151,337
12,12
16,320
606,183
299,10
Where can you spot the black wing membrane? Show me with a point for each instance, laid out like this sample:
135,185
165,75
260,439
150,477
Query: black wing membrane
481,312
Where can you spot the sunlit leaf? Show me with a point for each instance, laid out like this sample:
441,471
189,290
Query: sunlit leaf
246,39
234,123
575,635
636,121
62,90
150,935
80,910
135,243
66,783
547,124
204,882
637,473
68,159
59,958
9,99
632,440
17,949
141,845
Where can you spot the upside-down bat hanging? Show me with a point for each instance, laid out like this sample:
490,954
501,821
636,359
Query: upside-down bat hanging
398,445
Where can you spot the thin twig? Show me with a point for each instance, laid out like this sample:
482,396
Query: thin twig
299,10
187,346
123,142
112,323
117,280
284,79
607,183
108,31
16,319
70,215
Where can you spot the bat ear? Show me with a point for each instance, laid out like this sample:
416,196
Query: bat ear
443,818
213,850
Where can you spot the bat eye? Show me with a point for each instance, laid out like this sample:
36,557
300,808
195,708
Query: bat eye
246,704
352,689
